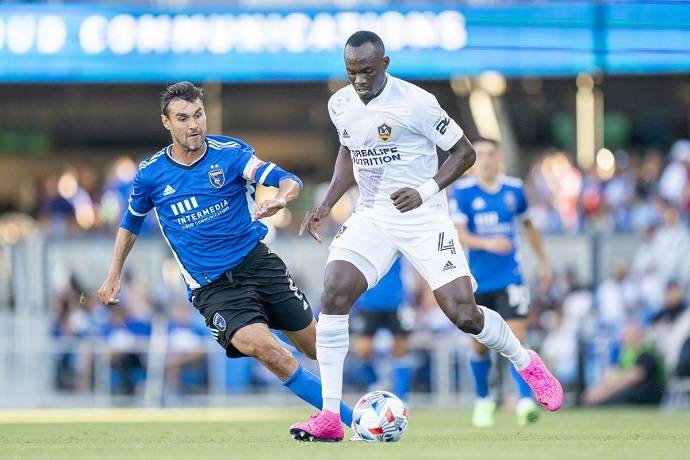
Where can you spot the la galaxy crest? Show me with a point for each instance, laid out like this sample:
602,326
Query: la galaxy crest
217,176
385,132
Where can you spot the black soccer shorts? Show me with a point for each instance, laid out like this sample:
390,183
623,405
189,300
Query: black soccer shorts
367,322
259,290
511,302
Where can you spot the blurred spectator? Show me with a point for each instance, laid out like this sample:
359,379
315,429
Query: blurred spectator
648,174
619,193
672,240
185,369
557,180
674,182
671,326
72,328
638,379
55,212
564,325
127,341
616,298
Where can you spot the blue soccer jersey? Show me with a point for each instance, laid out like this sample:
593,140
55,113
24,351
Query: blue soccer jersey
387,295
491,214
204,209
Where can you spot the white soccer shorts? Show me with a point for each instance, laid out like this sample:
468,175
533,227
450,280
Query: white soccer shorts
430,245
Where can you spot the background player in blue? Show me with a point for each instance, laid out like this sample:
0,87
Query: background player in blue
378,308
486,209
202,191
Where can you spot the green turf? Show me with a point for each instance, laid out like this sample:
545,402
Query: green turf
571,434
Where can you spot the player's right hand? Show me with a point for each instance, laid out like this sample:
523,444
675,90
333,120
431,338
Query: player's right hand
498,245
313,220
107,294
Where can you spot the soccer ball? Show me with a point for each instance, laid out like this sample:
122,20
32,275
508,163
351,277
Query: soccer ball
379,416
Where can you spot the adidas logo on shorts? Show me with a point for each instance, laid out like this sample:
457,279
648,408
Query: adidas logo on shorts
448,266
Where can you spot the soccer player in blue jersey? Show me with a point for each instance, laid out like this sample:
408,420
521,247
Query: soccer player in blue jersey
379,308
202,191
487,207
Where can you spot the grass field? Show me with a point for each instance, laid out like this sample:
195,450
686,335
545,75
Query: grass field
261,434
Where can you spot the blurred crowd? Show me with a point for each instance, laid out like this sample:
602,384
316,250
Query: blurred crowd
630,330
622,192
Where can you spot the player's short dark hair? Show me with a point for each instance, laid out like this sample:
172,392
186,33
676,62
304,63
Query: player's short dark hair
493,142
180,90
365,36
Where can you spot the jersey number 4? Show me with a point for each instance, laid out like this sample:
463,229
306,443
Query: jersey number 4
443,246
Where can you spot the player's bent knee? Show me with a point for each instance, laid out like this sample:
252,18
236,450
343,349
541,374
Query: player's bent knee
336,301
468,318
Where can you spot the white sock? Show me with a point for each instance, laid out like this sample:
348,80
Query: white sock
498,336
332,342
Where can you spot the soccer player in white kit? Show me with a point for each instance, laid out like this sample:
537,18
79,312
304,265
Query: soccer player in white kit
388,130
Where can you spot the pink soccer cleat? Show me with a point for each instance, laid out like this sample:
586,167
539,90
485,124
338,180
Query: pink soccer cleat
547,389
324,426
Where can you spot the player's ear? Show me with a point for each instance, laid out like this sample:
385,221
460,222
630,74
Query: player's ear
166,122
386,61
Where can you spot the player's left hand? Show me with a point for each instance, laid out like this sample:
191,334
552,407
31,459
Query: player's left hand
406,199
269,207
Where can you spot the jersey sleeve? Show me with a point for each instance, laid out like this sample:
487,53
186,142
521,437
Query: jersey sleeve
455,206
434,123
138,206
331,113
521,206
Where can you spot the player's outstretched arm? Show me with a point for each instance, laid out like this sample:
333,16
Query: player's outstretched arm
124,241
342,180
288,189
535,241
461,158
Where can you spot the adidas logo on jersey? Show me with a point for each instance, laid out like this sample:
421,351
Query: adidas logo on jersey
168,190
345,134
448,266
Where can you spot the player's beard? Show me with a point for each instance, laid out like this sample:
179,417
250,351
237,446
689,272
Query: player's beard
194,144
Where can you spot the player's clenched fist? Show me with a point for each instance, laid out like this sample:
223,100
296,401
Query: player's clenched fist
406,199
107,294
313,220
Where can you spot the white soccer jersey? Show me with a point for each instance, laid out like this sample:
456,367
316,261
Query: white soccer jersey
392,141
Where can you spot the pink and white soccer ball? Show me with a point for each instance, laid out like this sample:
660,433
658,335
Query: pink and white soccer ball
379,416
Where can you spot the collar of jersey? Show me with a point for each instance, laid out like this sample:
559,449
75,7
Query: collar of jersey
174,162
380,96
491,192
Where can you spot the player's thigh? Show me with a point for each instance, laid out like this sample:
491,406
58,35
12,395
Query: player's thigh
287,307
364,244
304,339
227,307
432,248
